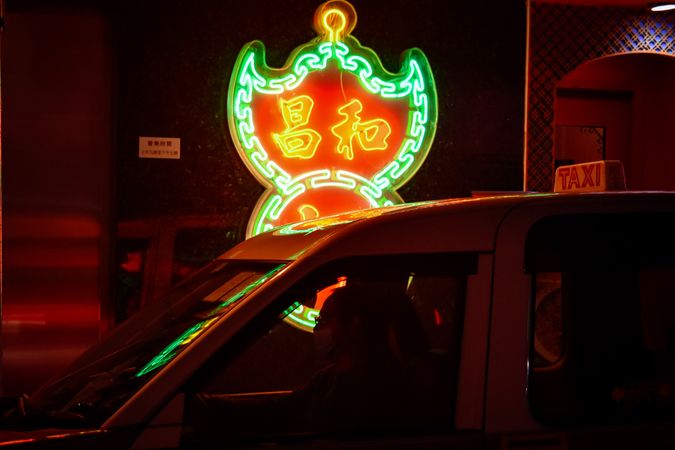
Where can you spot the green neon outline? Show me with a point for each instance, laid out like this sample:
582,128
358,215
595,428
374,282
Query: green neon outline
170,351
252,76
271,204
303,317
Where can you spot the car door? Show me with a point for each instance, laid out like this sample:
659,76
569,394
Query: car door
583,319
272,384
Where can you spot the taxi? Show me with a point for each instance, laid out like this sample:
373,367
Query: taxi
539,321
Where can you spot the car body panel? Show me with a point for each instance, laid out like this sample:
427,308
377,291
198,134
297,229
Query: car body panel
493,379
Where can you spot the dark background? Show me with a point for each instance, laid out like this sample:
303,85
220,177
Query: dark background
83,79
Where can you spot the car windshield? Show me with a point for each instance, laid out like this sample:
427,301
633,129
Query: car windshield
108,374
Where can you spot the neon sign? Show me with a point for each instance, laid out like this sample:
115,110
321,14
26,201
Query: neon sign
332,130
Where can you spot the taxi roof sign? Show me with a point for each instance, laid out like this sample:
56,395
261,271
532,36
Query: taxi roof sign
595,176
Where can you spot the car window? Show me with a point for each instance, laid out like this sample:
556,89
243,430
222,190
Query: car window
378,354
603,341
108,374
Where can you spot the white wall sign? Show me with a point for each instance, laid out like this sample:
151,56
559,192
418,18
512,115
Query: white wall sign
158,147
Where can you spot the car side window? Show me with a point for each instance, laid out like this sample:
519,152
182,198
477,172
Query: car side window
364,345
603,337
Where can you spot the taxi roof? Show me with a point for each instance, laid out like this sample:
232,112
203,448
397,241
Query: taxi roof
394,229
454,225
451,225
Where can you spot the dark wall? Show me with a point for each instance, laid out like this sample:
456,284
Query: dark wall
57,117
175,58
83,79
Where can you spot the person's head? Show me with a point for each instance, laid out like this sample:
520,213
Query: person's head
369,322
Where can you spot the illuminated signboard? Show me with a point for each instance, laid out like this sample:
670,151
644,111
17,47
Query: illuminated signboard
597,176
332,130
